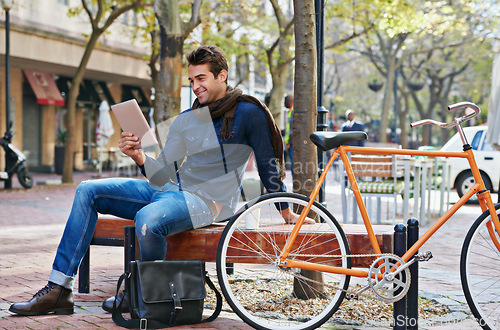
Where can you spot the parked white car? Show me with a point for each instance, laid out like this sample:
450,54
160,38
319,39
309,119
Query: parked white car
487,159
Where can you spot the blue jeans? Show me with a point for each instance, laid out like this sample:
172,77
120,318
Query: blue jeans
157,212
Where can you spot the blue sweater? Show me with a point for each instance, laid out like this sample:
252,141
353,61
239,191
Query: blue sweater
197,159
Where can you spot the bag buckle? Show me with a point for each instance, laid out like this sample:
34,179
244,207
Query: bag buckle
177,304
143,324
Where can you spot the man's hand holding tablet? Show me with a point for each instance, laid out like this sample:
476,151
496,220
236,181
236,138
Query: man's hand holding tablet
136,132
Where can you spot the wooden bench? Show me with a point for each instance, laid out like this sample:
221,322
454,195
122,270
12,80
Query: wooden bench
201,244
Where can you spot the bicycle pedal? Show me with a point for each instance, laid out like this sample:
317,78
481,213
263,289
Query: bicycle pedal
424,256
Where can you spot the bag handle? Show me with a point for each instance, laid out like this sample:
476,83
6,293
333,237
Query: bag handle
152,324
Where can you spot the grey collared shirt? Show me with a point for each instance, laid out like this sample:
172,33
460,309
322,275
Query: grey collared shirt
197,159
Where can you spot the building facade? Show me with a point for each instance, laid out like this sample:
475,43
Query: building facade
46,46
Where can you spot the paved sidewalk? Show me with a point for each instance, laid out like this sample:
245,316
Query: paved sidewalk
32,222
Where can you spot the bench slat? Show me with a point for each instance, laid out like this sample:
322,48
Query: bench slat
202,243
111,227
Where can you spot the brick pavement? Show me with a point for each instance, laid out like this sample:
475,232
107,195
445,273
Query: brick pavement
32,222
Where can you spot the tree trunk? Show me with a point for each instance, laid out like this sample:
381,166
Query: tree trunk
173,32
280,66
427,129
277,93
305,159
153,59
388,93
67,176
304,114
404,109
168,102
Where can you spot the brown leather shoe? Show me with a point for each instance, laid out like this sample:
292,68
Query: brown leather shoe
52,298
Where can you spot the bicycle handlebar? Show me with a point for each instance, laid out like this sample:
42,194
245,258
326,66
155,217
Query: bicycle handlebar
431,122
456,121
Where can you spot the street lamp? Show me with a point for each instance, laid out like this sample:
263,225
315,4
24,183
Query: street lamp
7,5
319,6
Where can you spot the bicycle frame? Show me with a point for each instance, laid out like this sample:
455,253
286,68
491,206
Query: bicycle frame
478,188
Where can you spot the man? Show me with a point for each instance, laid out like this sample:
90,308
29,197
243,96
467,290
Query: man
332,124
194,182
353,125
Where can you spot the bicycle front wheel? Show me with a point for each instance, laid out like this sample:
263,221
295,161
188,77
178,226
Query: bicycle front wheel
267,296
480,272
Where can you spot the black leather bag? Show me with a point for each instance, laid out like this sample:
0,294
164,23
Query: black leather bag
166,293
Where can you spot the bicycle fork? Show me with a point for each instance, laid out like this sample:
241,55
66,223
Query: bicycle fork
486,203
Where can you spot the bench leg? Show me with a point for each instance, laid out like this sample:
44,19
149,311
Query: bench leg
84,274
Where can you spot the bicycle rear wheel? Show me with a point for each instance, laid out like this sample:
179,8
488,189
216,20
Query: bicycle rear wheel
480,273
267,296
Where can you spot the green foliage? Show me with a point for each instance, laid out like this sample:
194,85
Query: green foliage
239,27
446,46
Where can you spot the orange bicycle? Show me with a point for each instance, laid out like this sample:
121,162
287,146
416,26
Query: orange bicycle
295,276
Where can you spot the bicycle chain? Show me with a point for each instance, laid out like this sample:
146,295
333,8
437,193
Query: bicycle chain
341,256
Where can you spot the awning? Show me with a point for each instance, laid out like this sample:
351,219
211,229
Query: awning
45,88
102,89
135,92
90,91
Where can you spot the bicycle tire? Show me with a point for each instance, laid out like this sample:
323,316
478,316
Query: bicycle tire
480,273
261,293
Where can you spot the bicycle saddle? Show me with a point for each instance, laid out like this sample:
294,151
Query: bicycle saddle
331,140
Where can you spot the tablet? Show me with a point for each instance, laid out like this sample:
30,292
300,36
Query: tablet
131,119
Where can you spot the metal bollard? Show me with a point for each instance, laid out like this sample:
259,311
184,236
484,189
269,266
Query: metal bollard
412,295
229,268
399,313
129,249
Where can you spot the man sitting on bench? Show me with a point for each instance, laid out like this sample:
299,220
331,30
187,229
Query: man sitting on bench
194,181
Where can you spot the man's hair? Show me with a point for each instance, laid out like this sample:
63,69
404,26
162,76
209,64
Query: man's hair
212,55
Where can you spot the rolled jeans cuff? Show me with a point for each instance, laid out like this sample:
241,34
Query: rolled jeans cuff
63,280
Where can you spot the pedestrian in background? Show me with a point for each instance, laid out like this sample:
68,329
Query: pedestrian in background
352,125
288,129
332,124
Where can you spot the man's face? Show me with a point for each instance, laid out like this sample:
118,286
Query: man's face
350,116
206,87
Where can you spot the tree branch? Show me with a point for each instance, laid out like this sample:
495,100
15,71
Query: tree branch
189,26
349,38
280,17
